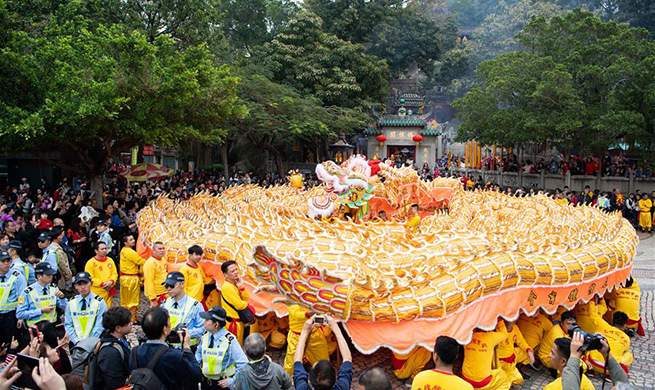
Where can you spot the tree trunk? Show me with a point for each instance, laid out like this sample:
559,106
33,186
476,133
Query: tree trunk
96,188
226,170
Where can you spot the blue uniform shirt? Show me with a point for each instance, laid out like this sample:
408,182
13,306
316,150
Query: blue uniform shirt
106,238
11,291
50,256
97,325
237,356
27,309
25,269
194,324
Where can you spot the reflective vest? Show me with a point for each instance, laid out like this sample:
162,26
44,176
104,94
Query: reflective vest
83,321
213,358
26,269
5,290
41,301
179,315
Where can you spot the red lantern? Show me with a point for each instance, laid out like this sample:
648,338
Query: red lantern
417,138
382,138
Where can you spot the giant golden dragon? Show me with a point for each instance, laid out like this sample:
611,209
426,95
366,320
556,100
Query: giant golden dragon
477,256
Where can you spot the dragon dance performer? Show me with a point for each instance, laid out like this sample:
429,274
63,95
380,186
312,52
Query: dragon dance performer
407,366
103,273
508,351
194,274
533,330
154,275
627,300
234,297
617,339
478,358
130,279
645,217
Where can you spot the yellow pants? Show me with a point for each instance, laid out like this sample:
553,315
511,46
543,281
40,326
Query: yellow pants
513,374
645,221
414,362
499,381
317,348
104,294
597,361
130,291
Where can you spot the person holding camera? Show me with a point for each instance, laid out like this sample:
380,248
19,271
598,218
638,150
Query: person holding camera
219,352
175,368
562,354
317,345
571,377
322,375
184,310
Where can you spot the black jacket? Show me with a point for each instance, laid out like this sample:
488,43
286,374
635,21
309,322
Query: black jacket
176,369
113,369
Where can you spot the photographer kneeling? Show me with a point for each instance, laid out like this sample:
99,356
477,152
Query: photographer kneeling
571,378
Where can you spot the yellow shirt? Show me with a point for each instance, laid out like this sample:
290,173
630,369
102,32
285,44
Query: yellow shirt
414,222
213,299
130,261
479,353
237,298
534,328
627,300
194,281
557,384
617,339
514,338
645,205
547,343
101,271
297,318
439,380
154,274
583,316
563,201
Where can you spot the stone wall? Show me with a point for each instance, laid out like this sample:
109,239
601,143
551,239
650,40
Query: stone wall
551,182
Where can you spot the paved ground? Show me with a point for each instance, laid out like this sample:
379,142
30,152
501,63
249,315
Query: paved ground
642,372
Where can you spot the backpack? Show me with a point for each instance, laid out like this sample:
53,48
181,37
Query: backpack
84,357
145,378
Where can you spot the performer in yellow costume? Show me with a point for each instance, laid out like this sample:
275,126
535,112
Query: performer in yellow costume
269,327
583,316
627,300
234,296
478,360
560,353
645,218
407,366
442,377
154,274
317,345
103,273
414,219
558,331
508,352
194,275
617,339
533,330
130,278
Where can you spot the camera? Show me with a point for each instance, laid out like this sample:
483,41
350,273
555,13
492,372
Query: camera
174,337
319,320
592,341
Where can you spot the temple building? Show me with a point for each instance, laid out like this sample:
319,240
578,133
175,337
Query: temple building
408,136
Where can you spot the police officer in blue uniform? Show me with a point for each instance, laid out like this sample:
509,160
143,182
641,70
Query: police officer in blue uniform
84,313
49,254
11,284
14,249
39,300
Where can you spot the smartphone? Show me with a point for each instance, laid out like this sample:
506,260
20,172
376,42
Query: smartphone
26,364
319,320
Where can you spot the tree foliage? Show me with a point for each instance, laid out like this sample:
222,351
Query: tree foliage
97,93
605,75
319,64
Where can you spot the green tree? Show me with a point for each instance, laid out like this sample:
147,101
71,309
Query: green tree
639,13
319,64
610,87
522,99
97,93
